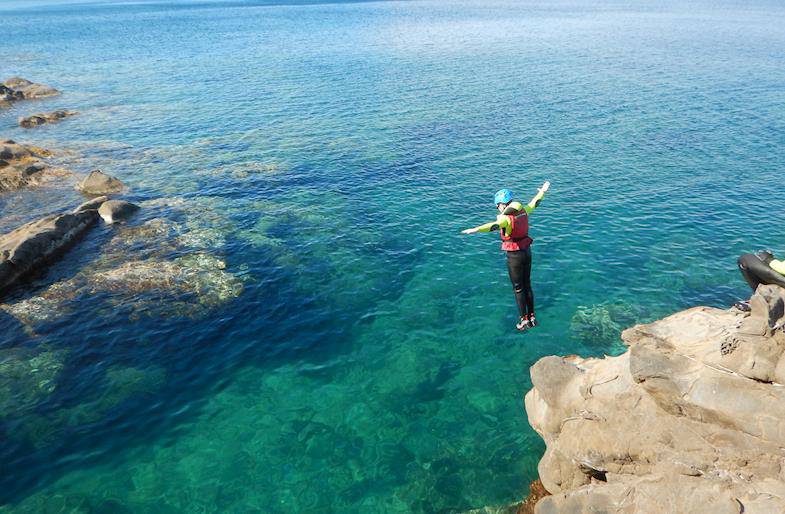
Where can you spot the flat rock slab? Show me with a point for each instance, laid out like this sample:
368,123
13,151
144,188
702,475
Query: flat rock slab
29,247
43,118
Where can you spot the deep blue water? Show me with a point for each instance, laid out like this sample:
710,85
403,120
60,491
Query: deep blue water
336,345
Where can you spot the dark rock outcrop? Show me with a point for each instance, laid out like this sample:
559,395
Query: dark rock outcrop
42,118
8,95
15,89
99,183
31,246
116,210
690,419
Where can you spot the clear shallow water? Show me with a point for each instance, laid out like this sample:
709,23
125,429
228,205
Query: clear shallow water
329,154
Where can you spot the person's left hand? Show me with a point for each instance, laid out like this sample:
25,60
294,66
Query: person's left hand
545,186
469,231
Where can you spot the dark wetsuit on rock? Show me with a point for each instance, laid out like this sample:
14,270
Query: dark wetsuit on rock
762,268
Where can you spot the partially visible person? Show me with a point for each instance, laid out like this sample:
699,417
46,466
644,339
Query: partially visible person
760,268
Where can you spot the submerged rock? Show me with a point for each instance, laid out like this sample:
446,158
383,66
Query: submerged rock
16,88
43,118
47,305
690,419
116,210
30,246
602,324
187,286
199,275
26,378
99,183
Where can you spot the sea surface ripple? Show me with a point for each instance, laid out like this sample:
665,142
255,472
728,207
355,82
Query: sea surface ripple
319,159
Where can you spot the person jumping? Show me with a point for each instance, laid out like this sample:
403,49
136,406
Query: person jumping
513,226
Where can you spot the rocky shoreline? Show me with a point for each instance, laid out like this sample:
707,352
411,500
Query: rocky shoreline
165,267
691,418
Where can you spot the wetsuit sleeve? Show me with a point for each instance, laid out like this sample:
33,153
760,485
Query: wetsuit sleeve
535,202
778,266
502,221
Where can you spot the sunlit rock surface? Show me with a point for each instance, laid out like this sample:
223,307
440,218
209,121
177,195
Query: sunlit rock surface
99,183
29,247
113,211
690,419
21,166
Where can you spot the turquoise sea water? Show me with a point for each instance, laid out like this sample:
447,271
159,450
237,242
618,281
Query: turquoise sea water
346,349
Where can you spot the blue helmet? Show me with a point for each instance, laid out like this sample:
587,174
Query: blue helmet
502,196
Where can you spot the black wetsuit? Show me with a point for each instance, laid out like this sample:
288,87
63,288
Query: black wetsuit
519,266
756,271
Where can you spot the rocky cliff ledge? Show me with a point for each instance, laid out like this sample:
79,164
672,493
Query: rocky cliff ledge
691,419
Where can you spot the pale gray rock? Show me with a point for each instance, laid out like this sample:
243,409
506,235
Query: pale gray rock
116,210
19,89
99,183
690,419
31,246
93,204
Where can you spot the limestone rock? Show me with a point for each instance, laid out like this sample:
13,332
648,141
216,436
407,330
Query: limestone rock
116,210
99,183
690,419
30,246
42,118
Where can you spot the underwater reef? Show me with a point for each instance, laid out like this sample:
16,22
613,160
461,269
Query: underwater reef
691,418
152,258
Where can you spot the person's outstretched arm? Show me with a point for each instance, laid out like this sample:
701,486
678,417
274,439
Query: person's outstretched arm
537,198
502,221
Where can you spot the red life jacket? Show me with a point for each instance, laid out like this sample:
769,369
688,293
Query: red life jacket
518,239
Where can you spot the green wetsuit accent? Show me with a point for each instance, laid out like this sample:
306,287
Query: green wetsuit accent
503,222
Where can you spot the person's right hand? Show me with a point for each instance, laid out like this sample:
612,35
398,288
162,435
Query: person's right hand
469,231
545,187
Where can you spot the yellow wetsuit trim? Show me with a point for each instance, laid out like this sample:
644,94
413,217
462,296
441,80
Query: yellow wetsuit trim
778,266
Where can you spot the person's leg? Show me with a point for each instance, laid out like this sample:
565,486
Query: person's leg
527,282
515,269
747,263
